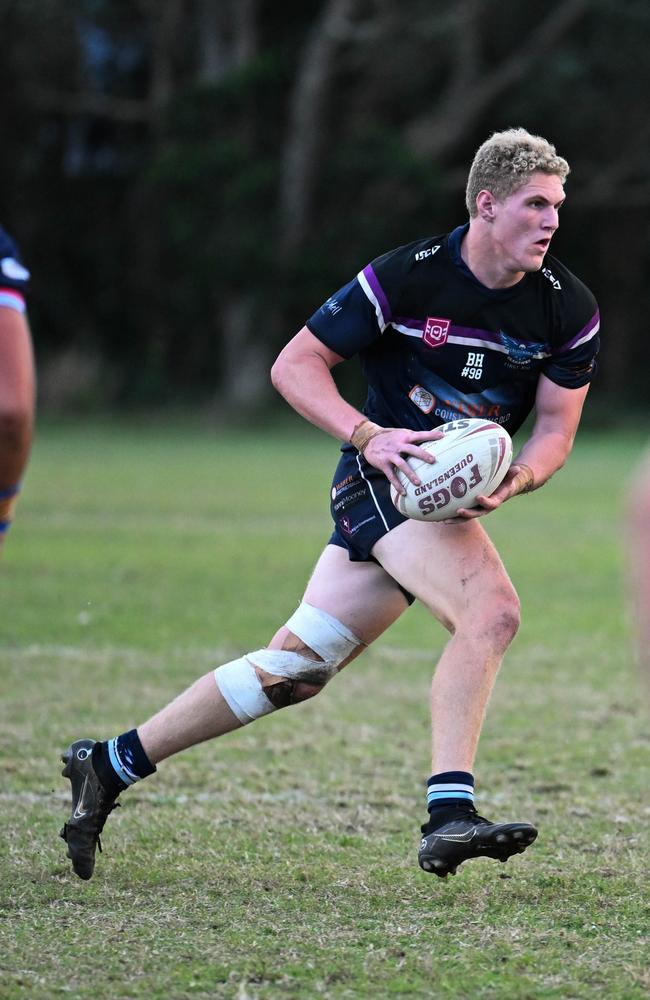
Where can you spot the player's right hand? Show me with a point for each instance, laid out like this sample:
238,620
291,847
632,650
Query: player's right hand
387,451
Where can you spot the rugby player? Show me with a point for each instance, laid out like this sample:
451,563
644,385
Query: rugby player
477,322
16,380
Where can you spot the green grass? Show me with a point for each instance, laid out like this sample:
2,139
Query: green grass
279,861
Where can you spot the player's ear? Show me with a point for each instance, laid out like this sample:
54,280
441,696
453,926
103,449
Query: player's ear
486,204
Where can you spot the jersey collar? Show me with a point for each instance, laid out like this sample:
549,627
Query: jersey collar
454,241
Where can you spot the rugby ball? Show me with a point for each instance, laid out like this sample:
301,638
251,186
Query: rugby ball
471,460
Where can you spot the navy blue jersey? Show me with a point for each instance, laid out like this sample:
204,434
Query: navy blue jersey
435,344
14,277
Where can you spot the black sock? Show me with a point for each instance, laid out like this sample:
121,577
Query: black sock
121,762
448,789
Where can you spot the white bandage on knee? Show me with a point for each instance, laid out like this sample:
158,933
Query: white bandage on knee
329,638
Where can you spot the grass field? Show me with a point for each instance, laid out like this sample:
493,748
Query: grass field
280,861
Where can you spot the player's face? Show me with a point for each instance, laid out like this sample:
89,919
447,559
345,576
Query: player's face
524,223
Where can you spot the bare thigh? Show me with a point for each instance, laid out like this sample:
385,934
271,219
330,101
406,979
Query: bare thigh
16,362
452,568
361,595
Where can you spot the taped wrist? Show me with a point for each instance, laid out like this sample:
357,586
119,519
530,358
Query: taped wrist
525,479
8,500
365,432
245,691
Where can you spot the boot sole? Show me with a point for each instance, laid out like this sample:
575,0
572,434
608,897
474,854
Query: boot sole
506,845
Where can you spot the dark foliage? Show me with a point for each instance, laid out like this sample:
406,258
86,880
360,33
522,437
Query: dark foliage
189,179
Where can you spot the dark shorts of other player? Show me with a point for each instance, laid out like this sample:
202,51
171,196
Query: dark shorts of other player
361,507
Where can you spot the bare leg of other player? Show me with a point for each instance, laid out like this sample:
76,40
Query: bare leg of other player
457,573
360,595
17,391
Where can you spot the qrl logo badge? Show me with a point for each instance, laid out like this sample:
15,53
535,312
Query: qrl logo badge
436,331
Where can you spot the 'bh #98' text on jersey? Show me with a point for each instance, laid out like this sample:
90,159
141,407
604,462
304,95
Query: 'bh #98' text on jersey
435,344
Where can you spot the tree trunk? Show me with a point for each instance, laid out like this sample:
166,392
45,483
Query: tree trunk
305,135
472,89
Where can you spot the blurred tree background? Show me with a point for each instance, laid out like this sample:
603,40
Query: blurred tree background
190,179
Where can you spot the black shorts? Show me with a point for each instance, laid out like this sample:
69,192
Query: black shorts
361,507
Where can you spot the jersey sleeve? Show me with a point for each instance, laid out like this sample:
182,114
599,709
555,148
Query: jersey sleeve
357,315
14,276
572,363
346,322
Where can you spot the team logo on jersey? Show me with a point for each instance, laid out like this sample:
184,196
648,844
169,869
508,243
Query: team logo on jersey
551,277
422,398
423,254
520,354
436,331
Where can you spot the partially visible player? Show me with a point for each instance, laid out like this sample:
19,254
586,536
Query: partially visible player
638,524
17,380
477,322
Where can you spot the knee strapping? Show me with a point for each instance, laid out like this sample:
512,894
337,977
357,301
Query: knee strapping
330,640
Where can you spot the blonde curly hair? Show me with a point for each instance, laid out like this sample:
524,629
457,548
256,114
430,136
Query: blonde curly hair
505,162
